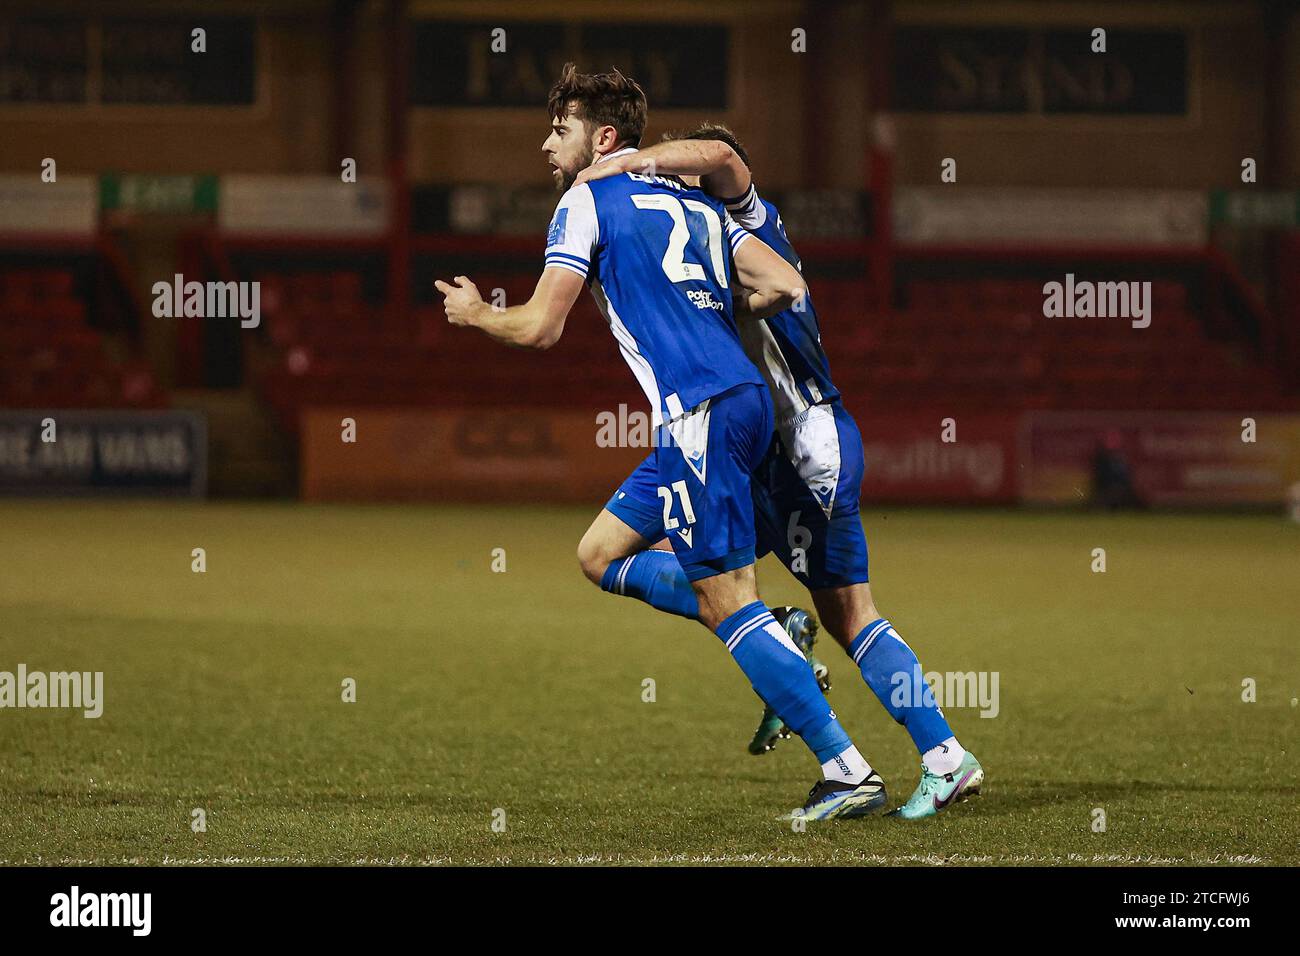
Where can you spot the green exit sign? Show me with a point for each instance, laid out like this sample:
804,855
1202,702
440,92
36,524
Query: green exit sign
1257,210
158,195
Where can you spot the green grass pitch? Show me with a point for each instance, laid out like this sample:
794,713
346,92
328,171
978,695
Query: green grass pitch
521,692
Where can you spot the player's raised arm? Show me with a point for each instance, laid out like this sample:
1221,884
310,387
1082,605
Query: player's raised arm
536,324
771,284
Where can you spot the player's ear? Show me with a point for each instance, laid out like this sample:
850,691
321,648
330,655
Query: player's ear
606,140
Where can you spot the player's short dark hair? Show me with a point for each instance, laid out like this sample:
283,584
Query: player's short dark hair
713,131
605,99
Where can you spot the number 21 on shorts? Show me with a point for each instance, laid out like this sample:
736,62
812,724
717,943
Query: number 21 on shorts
684,496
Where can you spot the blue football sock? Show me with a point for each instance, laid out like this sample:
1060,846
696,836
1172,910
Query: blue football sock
893,673
656,578
781,676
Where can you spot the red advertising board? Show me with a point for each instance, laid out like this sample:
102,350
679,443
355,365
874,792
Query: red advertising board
517,455
533,455
1173,458
939,457
527,455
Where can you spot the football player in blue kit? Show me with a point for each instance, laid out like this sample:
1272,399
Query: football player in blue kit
806,489
658,258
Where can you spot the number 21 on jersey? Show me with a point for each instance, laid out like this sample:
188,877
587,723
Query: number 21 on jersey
674,263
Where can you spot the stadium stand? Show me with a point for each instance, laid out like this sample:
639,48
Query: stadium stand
50,356
980,343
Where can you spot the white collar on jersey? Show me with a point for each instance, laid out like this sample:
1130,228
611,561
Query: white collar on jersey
618,152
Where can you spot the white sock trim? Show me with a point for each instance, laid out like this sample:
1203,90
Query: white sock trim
848,766
944,758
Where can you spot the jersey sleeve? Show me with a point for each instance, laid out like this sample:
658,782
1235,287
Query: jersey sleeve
736,236
748,210
571,239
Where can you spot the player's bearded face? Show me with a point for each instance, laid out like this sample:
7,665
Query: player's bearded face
568,150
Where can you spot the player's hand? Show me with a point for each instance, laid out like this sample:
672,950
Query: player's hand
613,167
596,171
740,303
460,301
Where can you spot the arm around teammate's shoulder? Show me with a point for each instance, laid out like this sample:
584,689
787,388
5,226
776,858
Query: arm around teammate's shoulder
721,170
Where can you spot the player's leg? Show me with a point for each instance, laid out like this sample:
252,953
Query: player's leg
769,522
949,772
617,554
886,661
606,540
704,466
802,628
777,529
837,578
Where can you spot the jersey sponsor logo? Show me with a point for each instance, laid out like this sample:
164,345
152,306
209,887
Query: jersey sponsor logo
704,299
555,235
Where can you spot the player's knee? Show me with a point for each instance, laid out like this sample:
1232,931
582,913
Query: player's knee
592,558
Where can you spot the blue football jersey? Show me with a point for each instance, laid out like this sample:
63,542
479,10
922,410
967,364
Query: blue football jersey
787,347
657,258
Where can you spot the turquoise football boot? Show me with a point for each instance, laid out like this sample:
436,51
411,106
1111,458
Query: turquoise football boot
771,728
937,792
